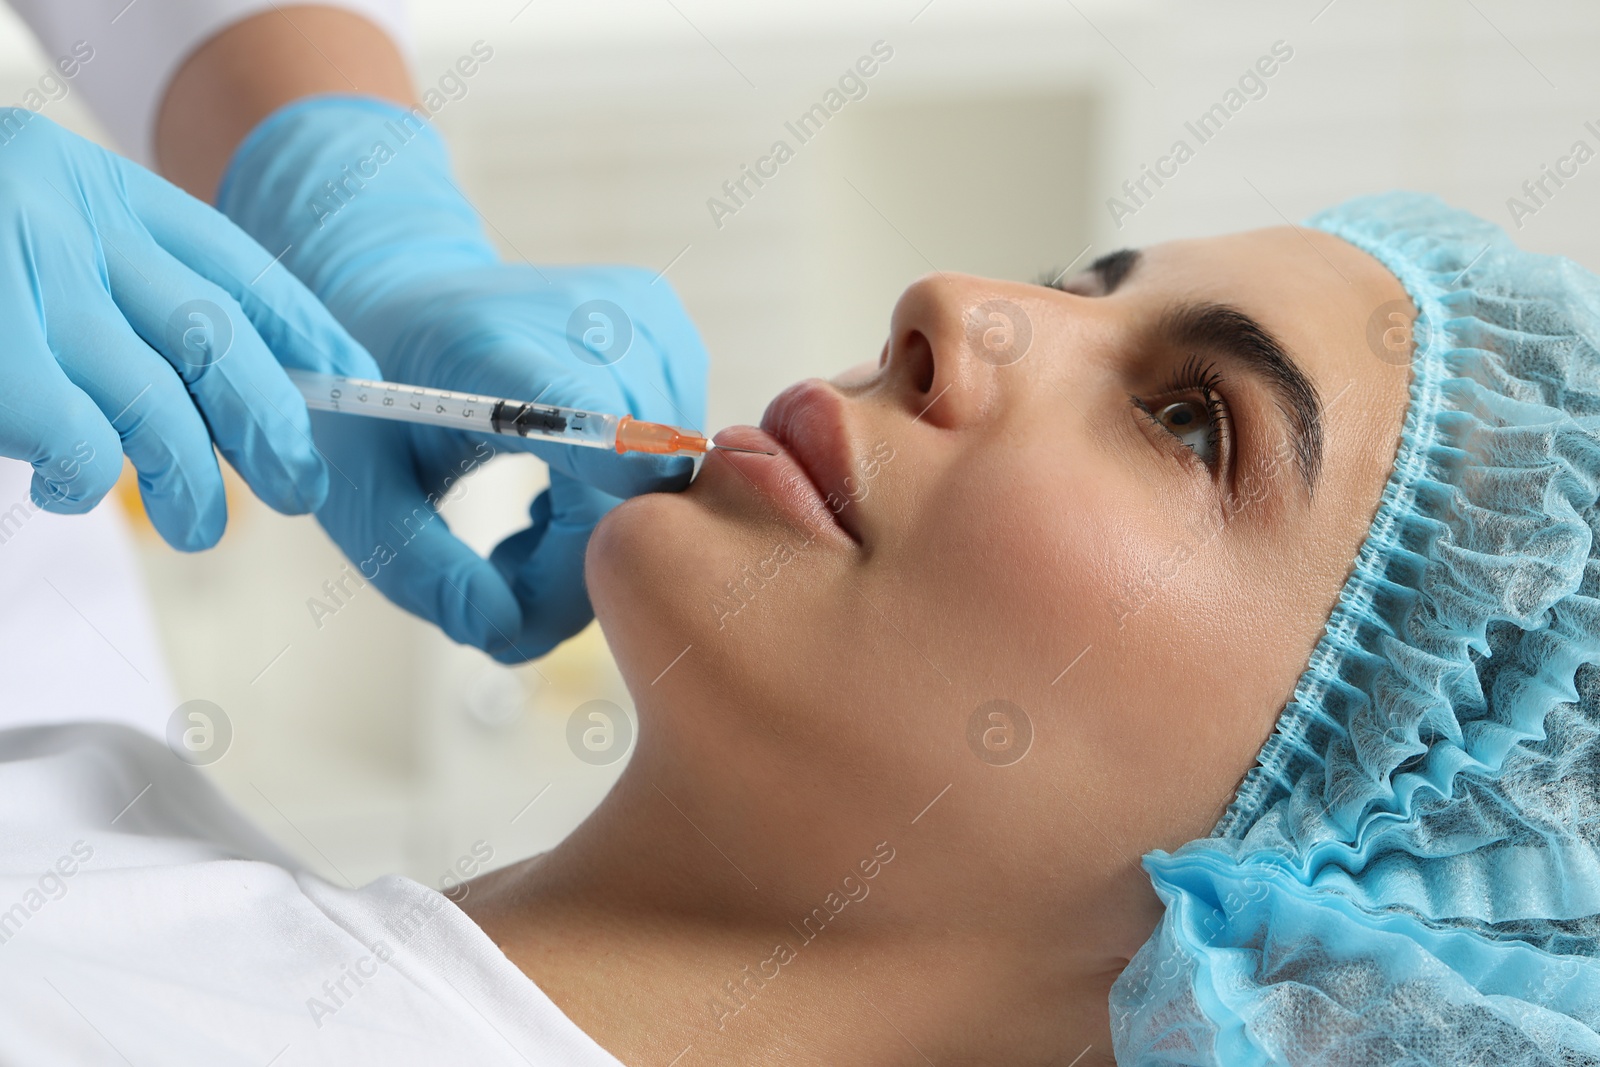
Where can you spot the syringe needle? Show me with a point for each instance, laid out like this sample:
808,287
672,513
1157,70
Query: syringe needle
751,451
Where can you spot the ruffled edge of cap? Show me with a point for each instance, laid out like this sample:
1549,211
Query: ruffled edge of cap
1399,230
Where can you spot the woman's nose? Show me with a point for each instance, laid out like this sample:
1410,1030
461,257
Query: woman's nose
949,336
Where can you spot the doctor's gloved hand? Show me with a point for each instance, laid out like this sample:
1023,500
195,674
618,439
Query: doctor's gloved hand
360,191
140,322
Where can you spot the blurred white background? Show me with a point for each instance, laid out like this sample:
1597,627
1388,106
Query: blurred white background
989,143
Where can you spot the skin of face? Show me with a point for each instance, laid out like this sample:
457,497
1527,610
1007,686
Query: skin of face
1029,535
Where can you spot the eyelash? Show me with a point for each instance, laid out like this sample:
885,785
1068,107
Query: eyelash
1199,377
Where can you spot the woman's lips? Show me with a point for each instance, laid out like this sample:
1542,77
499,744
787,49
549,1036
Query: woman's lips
804,425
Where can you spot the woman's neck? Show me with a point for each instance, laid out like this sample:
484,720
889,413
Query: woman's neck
750,925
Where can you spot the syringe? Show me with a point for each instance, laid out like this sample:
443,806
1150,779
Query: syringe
489,414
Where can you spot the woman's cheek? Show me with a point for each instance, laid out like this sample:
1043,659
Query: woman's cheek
1039,557
1083,538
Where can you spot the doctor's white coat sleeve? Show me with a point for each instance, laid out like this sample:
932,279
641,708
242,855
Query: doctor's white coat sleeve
134,47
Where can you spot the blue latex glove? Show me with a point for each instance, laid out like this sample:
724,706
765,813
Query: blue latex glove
139,321
360,191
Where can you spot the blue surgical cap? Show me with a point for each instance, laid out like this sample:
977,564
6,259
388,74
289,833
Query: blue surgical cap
1410,873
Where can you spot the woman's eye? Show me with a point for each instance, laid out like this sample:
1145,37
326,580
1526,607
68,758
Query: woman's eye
1190,421
1200,419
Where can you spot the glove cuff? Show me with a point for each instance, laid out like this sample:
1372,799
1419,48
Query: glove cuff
357,195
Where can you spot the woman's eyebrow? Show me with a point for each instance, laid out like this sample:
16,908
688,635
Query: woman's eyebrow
1112,267
1232,333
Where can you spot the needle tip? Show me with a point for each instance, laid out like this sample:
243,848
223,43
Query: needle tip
750,451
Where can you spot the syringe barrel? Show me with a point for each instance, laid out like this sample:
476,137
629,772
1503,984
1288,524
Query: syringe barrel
394,401
455,411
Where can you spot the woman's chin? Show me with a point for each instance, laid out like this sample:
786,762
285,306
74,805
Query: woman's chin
627,546
648,567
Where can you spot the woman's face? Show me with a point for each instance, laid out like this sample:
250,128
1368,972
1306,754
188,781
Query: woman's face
1121,507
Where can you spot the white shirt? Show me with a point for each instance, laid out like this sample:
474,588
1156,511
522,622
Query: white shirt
143,920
